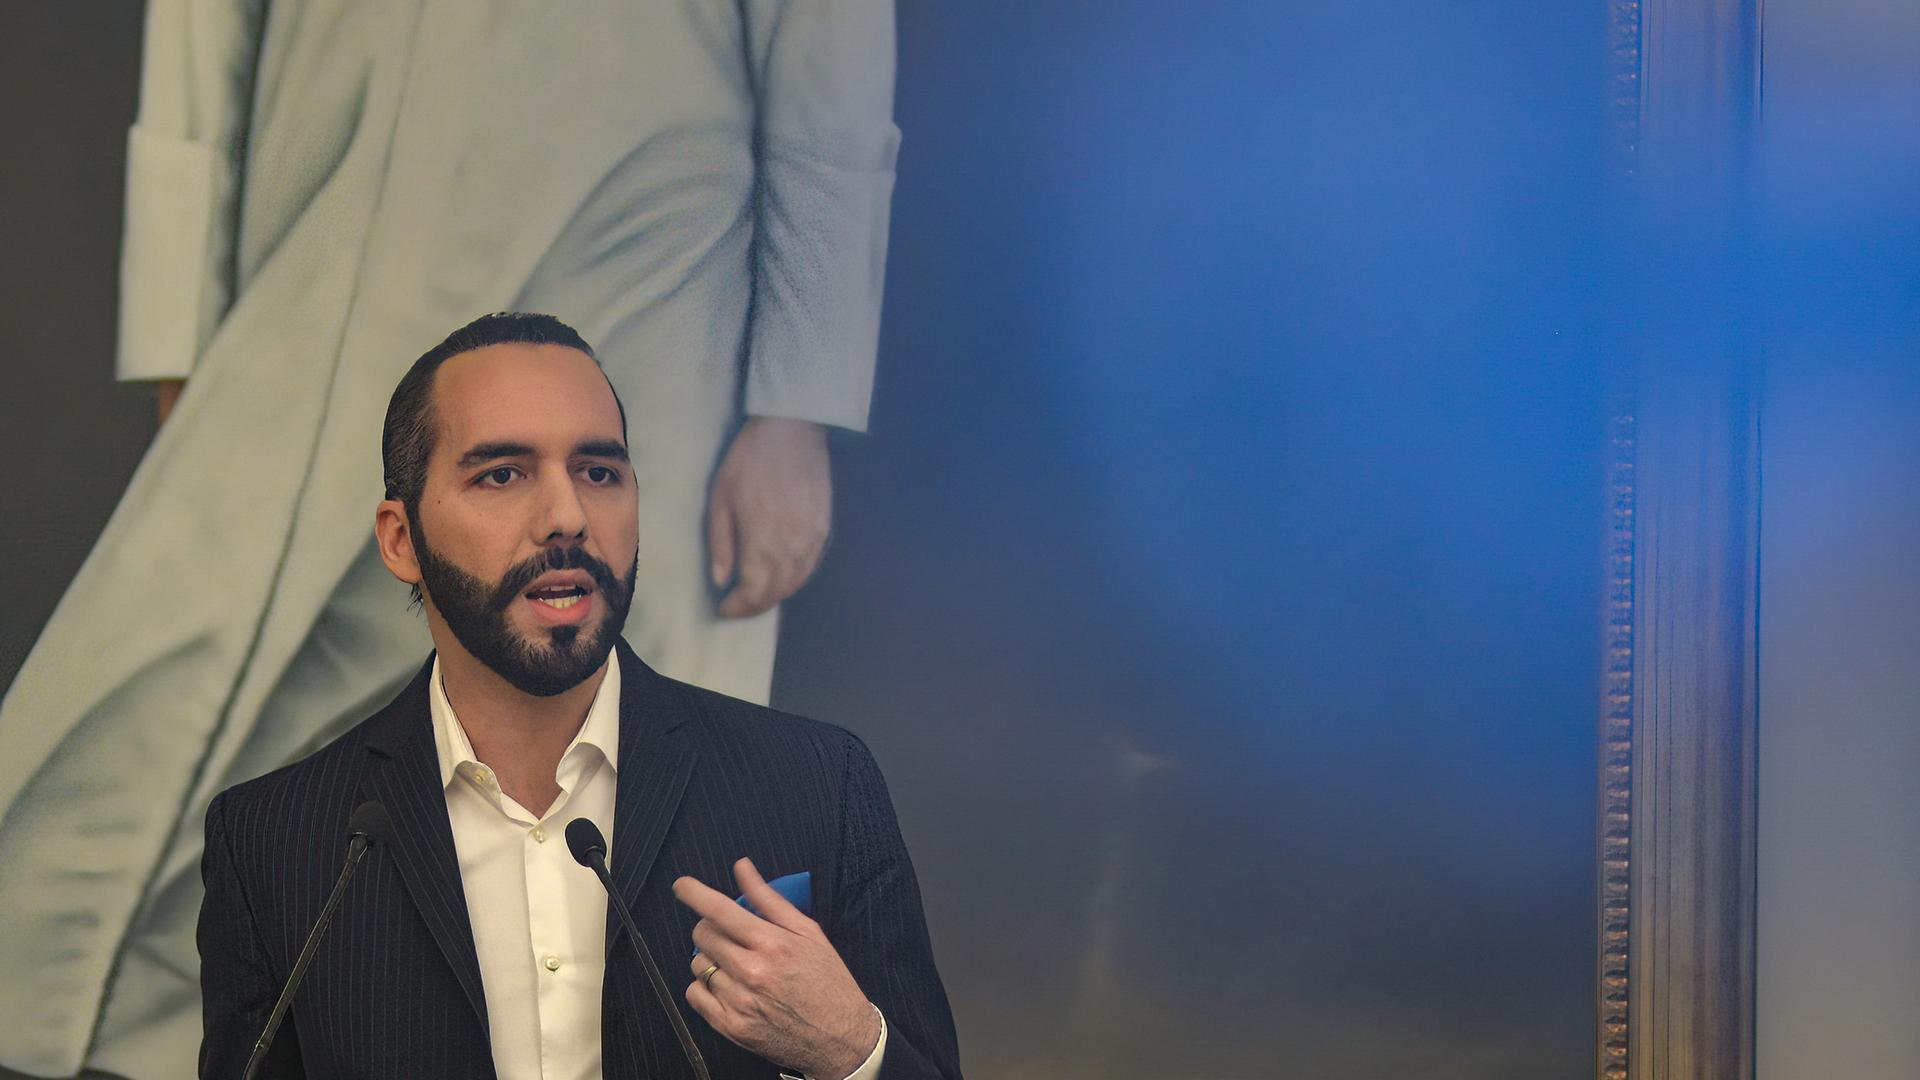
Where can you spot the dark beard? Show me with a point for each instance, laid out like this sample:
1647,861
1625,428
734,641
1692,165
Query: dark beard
476,612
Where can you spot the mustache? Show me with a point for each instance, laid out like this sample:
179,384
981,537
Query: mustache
522,574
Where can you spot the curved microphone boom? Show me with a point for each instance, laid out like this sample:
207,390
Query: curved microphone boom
369,822
590,850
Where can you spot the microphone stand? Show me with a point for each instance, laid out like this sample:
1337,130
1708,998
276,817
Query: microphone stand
590,850
370,818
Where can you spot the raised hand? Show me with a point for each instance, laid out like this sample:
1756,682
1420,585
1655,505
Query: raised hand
773,983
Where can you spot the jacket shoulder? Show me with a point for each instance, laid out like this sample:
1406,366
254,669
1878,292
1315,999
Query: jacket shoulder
332,762
327,782
725,723
800,765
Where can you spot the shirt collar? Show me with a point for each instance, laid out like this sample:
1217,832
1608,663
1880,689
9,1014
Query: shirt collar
600,732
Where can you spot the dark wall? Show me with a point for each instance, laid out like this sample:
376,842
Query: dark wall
1218,585
70,435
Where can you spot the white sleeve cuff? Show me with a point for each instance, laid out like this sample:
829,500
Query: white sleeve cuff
166,273
820,252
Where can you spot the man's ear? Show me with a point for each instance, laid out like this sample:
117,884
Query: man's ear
393,535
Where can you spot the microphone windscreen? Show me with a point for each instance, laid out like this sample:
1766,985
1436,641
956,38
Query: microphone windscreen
370,820
585,841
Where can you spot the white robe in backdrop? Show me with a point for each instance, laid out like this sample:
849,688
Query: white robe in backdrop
319,191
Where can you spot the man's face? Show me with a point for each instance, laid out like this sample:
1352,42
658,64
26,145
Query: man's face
527,530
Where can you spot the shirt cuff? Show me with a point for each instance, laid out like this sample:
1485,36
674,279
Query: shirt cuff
819,269
165,286
869,1069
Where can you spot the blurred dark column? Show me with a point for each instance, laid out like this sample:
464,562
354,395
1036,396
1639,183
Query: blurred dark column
1678,903
69,436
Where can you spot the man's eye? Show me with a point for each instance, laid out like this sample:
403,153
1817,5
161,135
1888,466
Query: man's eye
600,474
497,477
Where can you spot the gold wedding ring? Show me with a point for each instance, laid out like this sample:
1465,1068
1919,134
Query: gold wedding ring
706,976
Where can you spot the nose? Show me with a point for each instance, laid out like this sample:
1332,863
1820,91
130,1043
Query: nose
562,515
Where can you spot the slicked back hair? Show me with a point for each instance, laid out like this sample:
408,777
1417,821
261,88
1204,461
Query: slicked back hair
406,442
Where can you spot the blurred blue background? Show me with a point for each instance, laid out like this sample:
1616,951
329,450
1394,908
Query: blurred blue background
1220,582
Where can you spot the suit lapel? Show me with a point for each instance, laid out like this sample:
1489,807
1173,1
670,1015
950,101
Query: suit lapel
408,783
654,769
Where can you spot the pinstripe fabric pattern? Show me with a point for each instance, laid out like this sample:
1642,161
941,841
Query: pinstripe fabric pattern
395,988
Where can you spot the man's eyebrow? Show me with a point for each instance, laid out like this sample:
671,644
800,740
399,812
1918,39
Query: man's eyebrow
488,451
604,448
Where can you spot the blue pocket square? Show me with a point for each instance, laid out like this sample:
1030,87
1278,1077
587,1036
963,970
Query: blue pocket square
797,888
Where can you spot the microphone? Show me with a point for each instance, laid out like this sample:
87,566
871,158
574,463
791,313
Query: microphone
590,850
369,822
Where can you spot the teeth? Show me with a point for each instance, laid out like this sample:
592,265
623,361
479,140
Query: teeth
562,603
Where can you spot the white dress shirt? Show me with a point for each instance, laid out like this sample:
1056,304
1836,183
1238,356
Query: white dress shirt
539,917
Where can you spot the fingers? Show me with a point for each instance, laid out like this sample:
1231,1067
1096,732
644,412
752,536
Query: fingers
727,970
735,956
720,541
708,965
723,1001
768,578
773,907
802,571
754,592
708,1005
701,961
727,917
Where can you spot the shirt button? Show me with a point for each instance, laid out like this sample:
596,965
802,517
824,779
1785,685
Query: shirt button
553,963
539,835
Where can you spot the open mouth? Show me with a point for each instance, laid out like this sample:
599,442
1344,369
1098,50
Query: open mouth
557,597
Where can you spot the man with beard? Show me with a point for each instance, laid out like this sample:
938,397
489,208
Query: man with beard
316,191
470,943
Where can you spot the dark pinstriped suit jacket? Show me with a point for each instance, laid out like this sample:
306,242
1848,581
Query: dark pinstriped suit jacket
395,988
